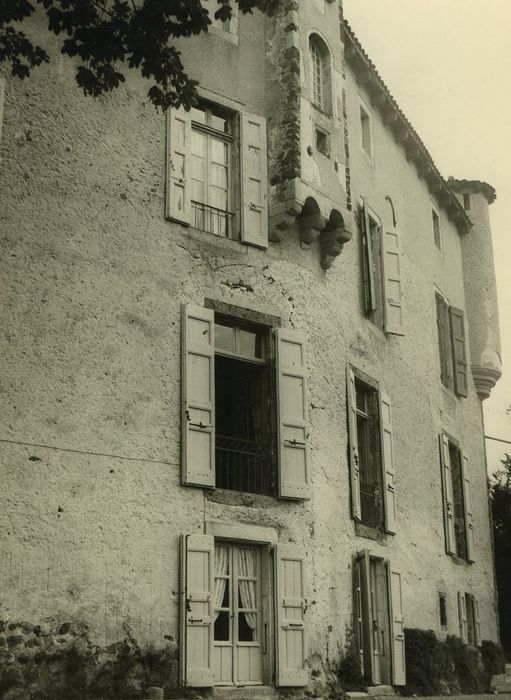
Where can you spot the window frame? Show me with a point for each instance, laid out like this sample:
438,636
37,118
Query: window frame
365,120
452,345
436,228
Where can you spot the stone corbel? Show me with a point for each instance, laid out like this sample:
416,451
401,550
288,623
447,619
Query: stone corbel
311,222
332,239
283,220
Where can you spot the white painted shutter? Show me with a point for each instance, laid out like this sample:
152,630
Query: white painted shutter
351,406
254,186
198,396
459,351
477,622
467,505
290,596
397,632
357,597
388,463
392,282
462,613
370,669
368,269
179,165
199,581
445,460
293,415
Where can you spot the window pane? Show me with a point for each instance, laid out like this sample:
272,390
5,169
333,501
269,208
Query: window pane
224,338
222,627
250,344
198,115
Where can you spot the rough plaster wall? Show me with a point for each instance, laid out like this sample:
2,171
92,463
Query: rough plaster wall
93,282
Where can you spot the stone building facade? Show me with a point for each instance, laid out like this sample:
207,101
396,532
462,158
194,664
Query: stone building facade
244,353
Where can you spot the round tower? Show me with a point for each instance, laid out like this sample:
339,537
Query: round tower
480,284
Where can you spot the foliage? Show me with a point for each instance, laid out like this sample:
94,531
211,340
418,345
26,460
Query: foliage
468,666
108,36
429,668
350,670
500,493
493,658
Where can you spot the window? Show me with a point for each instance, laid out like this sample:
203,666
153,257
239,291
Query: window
378,612
371,454
442,605
468,611
451,346
457,500
366,130
216,175
320,78
228,26
229,636
322,142
436,229
466,201
231,416
381,272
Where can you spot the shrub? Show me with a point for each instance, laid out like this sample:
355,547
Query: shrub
429,670
493,658
467,665
350,671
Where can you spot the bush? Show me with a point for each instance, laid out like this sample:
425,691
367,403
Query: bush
493,658
350,671
429,669
467,665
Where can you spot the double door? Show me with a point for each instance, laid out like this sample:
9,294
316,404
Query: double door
237,645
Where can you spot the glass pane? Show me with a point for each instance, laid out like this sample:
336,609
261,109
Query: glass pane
199,143
218,151
250,344
224,338
198,115
220,122
222,627
247,627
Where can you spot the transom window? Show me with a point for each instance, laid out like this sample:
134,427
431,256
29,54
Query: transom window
211,147
244,389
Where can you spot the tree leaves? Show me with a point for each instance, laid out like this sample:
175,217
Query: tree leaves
109,36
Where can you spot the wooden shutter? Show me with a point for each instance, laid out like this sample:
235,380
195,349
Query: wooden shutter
254,190
367,266
198,610
290,596
388,463
467,505
462,613
357,610
477,622
397,625
293,415
448,504
198,396
351,405
363,564
459,354
179,165
444,343
392,282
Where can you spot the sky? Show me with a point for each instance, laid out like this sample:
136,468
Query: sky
448,65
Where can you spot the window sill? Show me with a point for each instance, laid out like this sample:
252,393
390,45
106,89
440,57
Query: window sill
227,36
238,498
458,561
370,533
197,234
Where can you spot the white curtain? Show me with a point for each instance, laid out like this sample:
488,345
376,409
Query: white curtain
247,567
221,569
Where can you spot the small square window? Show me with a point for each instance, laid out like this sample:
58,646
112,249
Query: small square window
466,201
323,142
365,123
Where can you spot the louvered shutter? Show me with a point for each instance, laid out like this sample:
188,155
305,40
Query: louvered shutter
291,633
388,463
179,165
392,283
254,191
459,351
477,622
368,271
198,396
448,505
370,668
351,405
467,505
462,613
198,625
293,415
444,343
394,581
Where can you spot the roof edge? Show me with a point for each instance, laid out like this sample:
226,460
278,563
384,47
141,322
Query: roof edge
404,133
475,186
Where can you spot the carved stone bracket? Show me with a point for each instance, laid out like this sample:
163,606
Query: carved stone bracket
332,238
311,222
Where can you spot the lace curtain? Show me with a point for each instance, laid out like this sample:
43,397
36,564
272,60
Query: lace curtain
221,569
247,567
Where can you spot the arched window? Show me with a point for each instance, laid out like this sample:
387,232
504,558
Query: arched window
320,74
